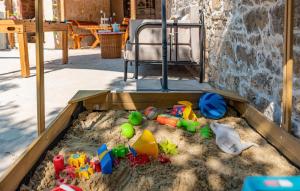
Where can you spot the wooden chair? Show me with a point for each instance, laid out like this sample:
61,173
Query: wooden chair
75,36
125,23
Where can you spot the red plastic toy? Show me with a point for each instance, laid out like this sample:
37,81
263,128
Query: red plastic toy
59,164
69,173
163,159
138,160
95,164
66,187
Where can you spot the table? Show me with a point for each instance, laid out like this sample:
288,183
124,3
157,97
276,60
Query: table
22,27
95,28
111,44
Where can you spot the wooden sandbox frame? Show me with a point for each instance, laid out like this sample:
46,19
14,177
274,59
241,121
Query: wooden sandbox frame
288,145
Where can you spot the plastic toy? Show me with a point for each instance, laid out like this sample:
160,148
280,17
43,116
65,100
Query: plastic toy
95,164
106,161
119,151
188,125
135,118
205,132
116,162
269,183
163,159
85,172
59,164
169,120
140,159
134,153
77,160
212,106
178,110
228,140
188,113
151,113
66,187
127,130
70,172
146,144
168,147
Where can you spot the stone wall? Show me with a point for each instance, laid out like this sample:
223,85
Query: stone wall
245,49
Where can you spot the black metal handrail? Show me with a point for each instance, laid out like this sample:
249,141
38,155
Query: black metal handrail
174,25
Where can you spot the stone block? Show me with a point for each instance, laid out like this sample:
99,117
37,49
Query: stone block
263,82
216,4
246,55
277,15
256,20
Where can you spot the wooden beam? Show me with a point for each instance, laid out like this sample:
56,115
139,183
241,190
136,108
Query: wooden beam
40,66
65,47
140,100
62,11
287,144
15,174
82,95
133,9
24,58
8,7
9,10
287,90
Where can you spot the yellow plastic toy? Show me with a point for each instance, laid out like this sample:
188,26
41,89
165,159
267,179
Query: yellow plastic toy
188,112
85,172
77,160
146,144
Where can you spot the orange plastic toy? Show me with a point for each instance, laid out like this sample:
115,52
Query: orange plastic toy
146,144
188,113
167,120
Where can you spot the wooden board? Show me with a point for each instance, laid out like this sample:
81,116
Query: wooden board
140,100
82,95
287,89
20,26
13,176
287,144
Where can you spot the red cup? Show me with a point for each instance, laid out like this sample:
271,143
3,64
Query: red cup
59,165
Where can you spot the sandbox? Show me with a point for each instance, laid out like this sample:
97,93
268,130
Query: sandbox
199,164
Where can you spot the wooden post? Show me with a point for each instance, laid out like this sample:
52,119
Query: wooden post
133,9
40,67
9,10
65,47
62,11
287,90
24,59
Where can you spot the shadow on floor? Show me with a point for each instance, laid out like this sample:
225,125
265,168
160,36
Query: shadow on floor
94,62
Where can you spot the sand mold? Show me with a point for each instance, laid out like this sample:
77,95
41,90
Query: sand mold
200,164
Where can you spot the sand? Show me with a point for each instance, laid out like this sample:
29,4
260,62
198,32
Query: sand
199,164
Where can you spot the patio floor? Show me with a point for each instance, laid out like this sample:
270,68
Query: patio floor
85,71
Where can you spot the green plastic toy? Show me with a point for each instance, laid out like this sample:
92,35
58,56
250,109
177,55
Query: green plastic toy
120,151
188,125
168,147
127,130
206,132
135,118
